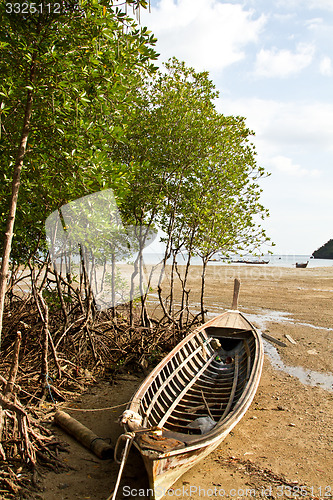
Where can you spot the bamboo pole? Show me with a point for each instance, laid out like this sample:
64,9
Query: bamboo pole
83,435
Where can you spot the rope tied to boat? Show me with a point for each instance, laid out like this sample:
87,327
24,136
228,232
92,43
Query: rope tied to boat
131,416
128,437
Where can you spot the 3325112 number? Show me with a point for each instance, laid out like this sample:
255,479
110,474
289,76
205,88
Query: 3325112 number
32,8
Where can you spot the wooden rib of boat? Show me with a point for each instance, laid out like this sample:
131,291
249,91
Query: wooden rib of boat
195,396
301,264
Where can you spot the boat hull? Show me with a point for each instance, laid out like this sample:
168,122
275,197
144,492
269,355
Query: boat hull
164,472
220,389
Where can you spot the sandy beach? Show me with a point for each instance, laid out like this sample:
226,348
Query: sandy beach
282,448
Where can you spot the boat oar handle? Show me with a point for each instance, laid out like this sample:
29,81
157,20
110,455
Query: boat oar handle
236,293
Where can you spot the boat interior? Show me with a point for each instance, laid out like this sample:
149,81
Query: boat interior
200,384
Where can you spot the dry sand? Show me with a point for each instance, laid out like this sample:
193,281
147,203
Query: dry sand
282,448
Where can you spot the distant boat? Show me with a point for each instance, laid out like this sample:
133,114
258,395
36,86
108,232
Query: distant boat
302,264
242,261
256,261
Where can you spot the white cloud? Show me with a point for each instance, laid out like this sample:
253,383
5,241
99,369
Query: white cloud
283,63
315,23
319,4
286,166
293,129
306,4
206,34
326,66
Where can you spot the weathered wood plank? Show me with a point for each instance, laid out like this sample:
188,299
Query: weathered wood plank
291,340
273,339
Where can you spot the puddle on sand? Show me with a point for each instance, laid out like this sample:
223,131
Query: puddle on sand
267,315
306,376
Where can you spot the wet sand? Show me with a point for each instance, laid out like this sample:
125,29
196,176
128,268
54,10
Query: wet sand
282,448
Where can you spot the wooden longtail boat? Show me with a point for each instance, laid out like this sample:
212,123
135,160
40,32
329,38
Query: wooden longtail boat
195,396
256,262
242,261
302,264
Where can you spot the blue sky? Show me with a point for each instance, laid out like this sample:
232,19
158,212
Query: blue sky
272,62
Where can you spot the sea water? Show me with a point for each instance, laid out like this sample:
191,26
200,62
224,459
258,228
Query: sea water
273,260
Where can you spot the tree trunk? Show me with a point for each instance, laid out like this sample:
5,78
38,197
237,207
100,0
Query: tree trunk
7,244
185,293
202,294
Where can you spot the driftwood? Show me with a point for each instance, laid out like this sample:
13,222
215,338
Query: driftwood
291,340
26,446
83,435
273,339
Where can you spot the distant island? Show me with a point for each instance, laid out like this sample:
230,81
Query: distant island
325,251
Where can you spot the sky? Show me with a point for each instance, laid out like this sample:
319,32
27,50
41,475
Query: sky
272,62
